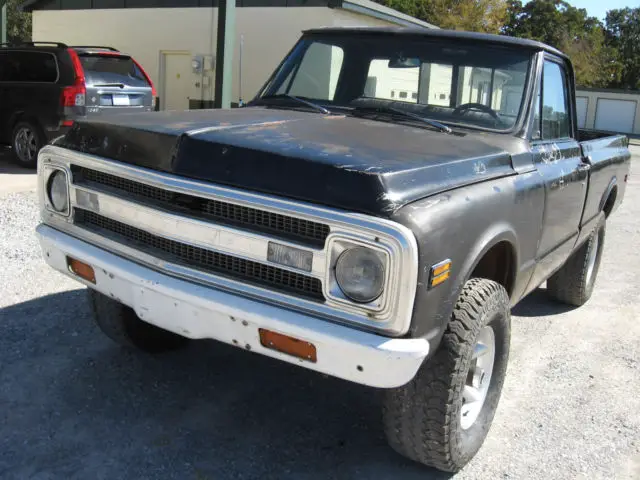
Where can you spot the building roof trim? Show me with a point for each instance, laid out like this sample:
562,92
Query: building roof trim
376,10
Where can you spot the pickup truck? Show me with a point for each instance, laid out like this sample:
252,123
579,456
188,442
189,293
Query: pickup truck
373,214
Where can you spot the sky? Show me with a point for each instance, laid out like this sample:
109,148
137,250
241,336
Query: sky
599,8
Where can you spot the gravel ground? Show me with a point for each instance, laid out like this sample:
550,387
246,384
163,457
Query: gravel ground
73,405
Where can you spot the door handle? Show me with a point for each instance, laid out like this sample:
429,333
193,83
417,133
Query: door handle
583,167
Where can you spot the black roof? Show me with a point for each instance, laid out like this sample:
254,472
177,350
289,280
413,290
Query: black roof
441,33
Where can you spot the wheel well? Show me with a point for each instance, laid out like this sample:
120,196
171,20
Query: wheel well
611,201
498,264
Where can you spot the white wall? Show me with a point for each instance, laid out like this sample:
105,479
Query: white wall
592,97
269,33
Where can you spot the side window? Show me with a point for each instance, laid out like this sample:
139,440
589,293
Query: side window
318,73
23,66
555,109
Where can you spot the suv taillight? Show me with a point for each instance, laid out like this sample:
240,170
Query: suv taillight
75,95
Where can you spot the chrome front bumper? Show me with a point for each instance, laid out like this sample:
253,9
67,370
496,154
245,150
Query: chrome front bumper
196,311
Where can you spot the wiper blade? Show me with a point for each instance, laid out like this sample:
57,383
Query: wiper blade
306,102
398,111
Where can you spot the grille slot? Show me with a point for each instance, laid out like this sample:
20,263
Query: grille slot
252,219
201,258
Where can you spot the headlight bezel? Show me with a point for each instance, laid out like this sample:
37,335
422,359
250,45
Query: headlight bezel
49,171
377,309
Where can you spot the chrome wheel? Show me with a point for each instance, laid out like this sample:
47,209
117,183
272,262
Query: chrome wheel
25,144
593,255
478,380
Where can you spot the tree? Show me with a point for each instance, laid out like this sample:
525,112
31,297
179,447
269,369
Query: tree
571,30
623,35
18,23
472,15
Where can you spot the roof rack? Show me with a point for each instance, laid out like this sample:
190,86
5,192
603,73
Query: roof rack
94,47
33,44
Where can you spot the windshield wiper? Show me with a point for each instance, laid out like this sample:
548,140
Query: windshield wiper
398,111
306,102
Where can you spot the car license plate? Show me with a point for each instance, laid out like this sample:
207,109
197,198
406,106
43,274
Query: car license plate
121,100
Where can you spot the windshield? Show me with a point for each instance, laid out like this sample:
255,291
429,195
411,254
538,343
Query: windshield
454,83
112,69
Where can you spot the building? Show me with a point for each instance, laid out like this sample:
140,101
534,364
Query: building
609,110
175,40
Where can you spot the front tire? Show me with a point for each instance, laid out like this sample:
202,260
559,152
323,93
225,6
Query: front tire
121,324
442,417
573,283
26,141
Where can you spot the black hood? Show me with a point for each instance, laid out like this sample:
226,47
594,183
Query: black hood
340,161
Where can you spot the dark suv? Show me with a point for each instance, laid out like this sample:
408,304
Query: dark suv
45,86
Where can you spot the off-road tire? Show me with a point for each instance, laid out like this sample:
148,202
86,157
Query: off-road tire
121,324
422,419
39,141
572,284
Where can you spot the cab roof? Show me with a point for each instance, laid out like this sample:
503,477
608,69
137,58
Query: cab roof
454,35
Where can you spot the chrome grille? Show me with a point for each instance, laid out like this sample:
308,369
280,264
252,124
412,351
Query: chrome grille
200,258
297,229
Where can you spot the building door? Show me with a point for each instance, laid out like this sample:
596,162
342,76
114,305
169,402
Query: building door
581,110
176,81
615,115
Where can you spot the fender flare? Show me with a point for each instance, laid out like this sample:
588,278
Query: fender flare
496,233
605,196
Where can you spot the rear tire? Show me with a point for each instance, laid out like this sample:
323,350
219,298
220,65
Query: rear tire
435,419
121,324
27,139
574,282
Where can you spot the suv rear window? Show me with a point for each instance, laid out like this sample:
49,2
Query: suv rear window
106,69
25,66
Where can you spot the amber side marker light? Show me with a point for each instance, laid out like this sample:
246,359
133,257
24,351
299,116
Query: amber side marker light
439,273
289,345
81,269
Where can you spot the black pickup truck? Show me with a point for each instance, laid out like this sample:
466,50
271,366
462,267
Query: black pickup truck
373,214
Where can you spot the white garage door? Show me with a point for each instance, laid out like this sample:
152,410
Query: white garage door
615,115
581,107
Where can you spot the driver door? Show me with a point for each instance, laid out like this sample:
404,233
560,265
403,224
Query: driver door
558,159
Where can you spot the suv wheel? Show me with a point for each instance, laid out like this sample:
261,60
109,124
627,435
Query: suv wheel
26,141
443,415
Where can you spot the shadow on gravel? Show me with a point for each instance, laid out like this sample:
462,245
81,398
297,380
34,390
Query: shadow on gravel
7,165
74,405
539,304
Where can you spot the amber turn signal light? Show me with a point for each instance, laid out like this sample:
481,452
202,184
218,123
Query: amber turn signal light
289,345
81,269
439,273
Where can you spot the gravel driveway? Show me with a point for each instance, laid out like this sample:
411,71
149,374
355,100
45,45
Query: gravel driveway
73,405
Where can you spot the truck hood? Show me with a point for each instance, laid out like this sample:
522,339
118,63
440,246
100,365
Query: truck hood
335,160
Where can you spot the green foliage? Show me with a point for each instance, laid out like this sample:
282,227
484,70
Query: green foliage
472,15
623,36
571,30
18,23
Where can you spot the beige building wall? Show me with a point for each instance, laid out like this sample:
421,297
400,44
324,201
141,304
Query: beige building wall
592,97
268,34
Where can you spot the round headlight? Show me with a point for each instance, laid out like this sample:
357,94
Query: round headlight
58,191
360,274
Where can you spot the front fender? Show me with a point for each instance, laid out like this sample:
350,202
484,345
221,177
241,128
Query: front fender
462,225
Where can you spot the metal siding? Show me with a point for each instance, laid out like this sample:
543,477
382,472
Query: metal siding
582,105
615,115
